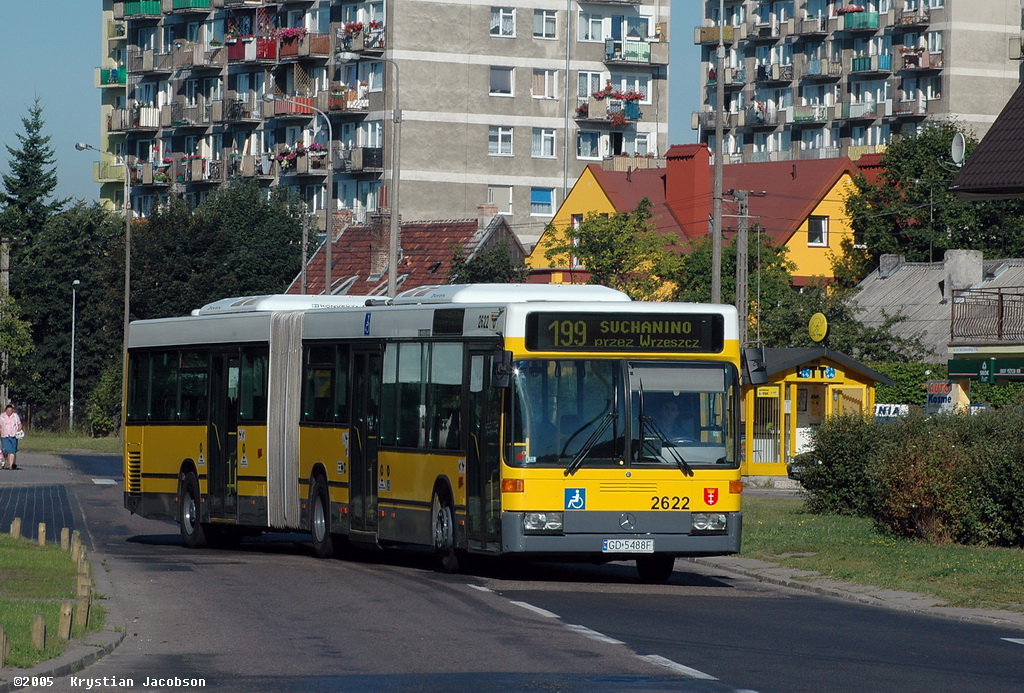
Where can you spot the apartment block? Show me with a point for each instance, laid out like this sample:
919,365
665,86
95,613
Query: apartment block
826,78
463,103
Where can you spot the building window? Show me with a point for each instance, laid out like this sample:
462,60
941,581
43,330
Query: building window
588,83
544,24
588,145
499,140
545,84
500,195
543,143
503,21
591,27
817,231
501,81
542,202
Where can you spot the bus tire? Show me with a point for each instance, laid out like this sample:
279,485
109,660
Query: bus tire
655,569
443,528
192,531
320,519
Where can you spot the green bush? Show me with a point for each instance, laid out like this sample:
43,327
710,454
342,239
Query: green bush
840,484
104,405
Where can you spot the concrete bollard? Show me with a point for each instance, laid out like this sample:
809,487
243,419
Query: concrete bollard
64,624
41,536
65,538
16,528
3,648
83,587
39,632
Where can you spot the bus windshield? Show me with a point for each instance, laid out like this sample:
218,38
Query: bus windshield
575,413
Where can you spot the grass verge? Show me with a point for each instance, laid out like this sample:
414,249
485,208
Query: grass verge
55,443
849,548
36,580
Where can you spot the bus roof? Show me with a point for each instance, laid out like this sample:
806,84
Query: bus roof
508,293
277,302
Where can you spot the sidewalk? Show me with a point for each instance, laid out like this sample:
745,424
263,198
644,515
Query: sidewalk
36,487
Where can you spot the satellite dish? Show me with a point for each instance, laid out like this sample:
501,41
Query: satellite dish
958,148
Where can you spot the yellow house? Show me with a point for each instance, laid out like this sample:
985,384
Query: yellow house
800,204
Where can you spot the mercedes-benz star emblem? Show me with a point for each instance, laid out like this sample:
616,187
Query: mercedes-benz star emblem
627,521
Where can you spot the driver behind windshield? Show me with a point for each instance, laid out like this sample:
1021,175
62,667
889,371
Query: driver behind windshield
676,420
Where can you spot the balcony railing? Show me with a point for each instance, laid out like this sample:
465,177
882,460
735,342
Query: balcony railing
811,26
760,157
709,34
111,77
149,61
913,18
372,40
859,21
137,8
871,63
310,45
865,110
615,112
760,116
923,60
252,49
774,73
190,5
910,109
359,159
988,315
125,119
824,69
821,153
815,113
117,30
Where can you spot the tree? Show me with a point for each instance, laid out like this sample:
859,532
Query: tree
15,333
239,242
909,210
494,265
621,251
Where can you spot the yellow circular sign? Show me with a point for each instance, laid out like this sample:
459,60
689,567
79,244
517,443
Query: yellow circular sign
818,327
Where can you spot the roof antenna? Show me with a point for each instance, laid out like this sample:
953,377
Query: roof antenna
793,172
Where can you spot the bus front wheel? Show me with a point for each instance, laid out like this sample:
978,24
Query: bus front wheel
657,568
188,513
320,519
444,535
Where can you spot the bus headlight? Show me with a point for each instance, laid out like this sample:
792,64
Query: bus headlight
709,523
542,523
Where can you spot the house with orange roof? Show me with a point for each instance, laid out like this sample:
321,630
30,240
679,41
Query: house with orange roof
359,254
800,204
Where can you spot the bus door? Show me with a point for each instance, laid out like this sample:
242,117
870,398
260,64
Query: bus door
222,469
366,382
483,460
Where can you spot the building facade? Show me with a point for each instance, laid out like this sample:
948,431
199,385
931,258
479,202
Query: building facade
824,78
467,103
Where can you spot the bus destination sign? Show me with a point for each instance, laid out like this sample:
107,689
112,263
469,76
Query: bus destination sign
680,332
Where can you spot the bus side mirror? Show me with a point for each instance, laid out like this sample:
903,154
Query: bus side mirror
754,366
502,375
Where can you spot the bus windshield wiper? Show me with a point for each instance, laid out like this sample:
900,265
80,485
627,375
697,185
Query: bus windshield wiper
672,453
577,461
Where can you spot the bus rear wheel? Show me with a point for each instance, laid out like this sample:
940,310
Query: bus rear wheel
444,535
188,513
320,519
657,568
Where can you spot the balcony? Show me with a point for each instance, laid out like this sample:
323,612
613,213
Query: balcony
867,110
813,114
761,116
111,77
133,119
259,49
820,153
708,35
143,61
823,69
913,19
117,31
239,110
859,22
988,316
138,9
871,65
735,78
705,120
250,165
919,60
362,159
912,109
368,39
187,6
764,31
146,173
856,151
635,52
609,111
182,115
625,162
287,109
811,26
308,46
197,56
108,170
761,157
774,73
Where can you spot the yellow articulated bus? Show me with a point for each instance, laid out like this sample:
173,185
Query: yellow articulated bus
548,422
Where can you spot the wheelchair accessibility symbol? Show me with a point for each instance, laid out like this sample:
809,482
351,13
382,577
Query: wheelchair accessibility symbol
575,499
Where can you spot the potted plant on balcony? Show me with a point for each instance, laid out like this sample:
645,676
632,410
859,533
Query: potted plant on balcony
354,37
618,120
850,9
290,33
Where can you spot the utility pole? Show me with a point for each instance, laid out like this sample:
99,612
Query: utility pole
716,213
741,263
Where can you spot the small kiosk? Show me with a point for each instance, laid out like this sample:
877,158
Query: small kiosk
803,387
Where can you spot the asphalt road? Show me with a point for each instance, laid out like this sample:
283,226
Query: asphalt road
270,617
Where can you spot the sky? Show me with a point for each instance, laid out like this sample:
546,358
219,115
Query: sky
60,72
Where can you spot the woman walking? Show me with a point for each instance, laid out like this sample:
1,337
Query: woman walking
10,427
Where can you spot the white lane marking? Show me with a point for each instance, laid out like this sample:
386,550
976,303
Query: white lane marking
677,668
480,587
1019,641
104,482
593,634
536,610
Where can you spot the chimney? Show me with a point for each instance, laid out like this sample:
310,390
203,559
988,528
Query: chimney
963,269
484,214
888,264
379,240
688,186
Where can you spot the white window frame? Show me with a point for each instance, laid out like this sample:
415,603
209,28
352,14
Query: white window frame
503,22
549,211
548,79
499,140
591,28
503,74
590,136
545,24
817,237
501,196
542,143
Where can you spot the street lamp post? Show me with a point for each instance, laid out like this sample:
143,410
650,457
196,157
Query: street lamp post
82,146
396,143
74,311
329,225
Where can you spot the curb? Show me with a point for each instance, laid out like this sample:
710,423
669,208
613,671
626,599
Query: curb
80,654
